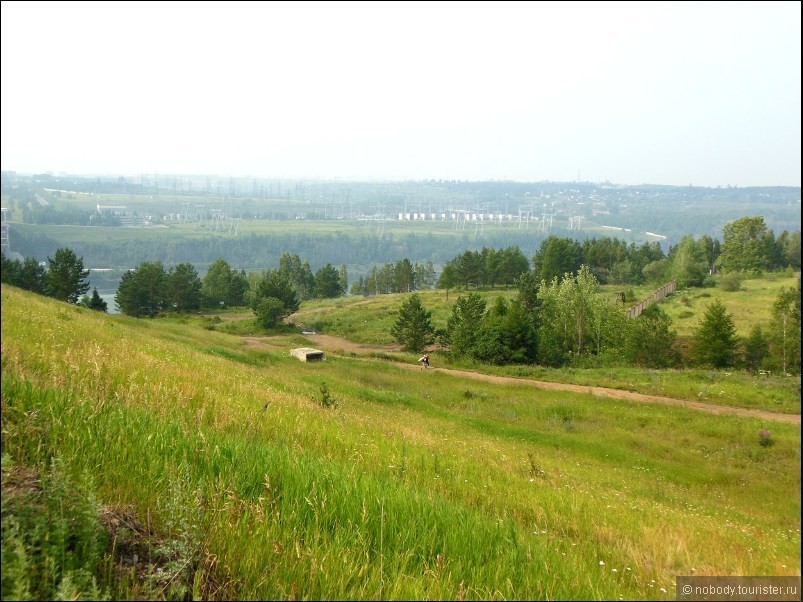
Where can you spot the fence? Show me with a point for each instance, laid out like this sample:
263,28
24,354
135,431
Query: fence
661,293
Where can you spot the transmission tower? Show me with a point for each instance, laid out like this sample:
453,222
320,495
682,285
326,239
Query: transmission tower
574,222
216,214
200,214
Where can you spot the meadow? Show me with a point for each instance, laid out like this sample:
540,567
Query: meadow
368,321
222,468
750,305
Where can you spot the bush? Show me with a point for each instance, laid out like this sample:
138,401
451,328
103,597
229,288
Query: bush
731,282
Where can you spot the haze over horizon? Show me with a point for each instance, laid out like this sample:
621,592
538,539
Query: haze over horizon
665,93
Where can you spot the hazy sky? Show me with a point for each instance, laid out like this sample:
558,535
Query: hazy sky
703,93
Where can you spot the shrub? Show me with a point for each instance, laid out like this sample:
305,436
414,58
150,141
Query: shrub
731,282
326,399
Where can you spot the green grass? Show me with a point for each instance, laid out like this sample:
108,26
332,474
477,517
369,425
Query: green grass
750,305
371,324
418,485
369,320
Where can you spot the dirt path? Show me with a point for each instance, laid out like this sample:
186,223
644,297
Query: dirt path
337,346
629,395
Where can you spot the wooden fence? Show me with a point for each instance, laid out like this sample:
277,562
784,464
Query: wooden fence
661,293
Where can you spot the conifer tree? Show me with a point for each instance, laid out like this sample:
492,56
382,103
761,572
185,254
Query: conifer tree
715,342
413,328
650,340
65,278
95,302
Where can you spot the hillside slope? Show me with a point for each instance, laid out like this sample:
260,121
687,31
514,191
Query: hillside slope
356,478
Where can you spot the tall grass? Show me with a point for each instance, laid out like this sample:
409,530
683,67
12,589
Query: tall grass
751,304
418,485
369,320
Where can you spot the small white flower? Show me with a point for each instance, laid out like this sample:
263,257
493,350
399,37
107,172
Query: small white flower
614,571
602,563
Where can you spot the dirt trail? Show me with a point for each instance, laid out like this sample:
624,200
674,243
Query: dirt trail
336,345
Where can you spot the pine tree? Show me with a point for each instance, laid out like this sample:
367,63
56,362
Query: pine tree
142,291
96,302
65,278
463,325
715,342
413,328
650,340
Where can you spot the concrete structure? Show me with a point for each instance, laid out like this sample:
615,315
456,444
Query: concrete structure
307,354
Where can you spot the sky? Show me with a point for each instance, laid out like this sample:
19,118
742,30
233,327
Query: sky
673,93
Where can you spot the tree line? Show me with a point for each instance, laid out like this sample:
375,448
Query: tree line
150,289
63,277
558,317
748,247
566,322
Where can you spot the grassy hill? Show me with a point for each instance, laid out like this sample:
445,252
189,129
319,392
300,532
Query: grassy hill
750,305
204,463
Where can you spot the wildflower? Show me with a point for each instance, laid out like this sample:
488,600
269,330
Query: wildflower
602,563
